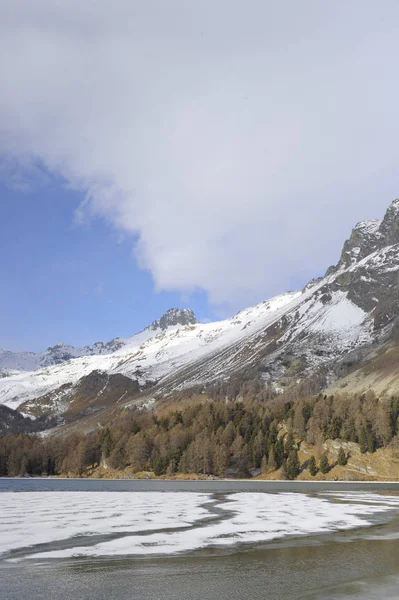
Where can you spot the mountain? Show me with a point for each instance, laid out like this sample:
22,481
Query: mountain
146,357
60,352
336,326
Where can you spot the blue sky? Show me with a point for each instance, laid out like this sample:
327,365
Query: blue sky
68,282
231,146
72,282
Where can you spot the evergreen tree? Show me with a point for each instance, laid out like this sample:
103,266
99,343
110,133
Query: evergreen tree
334,428
3,465
342,458
108,443
279,452
370,441
349,431
157,464
363,442
117,459
312,466
273,432
324,466
92,452
293,465
307,412
284,473
289,445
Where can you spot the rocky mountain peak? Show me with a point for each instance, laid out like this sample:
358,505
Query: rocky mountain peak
364,239
369,236
173,317
59,346
389,228
368,268
58,353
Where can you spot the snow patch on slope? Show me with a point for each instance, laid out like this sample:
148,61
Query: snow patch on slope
340,314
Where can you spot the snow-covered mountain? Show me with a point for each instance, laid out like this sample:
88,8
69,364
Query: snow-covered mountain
61,352
353,308
160,349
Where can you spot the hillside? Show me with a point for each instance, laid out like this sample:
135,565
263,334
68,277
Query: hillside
349,437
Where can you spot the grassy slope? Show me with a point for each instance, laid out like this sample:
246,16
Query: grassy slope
380,374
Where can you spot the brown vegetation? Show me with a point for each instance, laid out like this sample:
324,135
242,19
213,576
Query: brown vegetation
216,437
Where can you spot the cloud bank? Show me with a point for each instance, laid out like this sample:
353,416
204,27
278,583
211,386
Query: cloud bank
236,142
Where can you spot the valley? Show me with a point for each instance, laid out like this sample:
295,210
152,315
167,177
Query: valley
333,344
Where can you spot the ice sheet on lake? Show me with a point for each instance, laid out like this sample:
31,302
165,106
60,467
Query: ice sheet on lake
32,518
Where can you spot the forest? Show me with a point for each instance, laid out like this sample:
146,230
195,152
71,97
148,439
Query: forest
213,436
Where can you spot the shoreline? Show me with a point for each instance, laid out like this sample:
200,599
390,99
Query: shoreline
216,480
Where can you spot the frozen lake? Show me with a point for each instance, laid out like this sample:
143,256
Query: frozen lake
212,541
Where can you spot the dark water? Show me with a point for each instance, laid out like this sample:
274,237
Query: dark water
213,486
361,563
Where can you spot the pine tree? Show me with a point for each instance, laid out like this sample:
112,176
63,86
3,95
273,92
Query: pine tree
279,452
289,444
334,428
349,430
363,440
370,441
273,432
117,459
284,473
293,465
324,466
342,458
108,443
157,464
312,466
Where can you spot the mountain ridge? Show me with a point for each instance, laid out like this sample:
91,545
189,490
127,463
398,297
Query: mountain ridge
281,341
61,352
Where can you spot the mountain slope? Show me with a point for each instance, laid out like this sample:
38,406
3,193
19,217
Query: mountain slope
14,422
147,356
92,393
349,312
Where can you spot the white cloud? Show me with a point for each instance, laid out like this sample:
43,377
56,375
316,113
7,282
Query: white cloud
237,142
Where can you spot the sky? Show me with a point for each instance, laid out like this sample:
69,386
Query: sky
202,154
